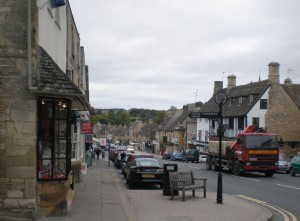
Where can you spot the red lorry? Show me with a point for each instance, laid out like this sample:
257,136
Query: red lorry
252,151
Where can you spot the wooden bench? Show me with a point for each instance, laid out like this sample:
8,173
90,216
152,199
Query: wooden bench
185,181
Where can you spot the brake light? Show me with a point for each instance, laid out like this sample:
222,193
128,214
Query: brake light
134,170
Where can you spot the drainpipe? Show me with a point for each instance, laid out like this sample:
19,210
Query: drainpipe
29,54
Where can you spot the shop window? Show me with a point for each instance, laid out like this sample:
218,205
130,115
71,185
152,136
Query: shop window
54,141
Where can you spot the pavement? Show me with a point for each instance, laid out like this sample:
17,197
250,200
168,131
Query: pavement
102,195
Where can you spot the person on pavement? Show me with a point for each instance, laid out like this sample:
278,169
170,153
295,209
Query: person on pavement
98,153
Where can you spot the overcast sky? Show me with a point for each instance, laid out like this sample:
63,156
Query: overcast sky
155,54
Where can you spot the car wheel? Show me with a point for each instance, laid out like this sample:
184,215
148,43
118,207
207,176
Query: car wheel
208,164
214,166
269,174
292,172
129,183
160,185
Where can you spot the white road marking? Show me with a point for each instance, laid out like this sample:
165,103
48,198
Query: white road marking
247,178
292,187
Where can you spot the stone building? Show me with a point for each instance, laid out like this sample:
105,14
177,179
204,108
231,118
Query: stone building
37,98
283,115
265,103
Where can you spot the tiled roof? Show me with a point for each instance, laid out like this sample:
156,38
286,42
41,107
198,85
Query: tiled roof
294,92
232,107
180,120
53,81
52,78
168,122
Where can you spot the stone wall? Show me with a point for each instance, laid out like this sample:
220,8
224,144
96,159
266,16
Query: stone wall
283,117
17,114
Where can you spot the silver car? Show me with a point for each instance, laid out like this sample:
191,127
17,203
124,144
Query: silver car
283,163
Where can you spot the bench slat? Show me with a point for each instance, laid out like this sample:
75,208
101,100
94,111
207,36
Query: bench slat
185,181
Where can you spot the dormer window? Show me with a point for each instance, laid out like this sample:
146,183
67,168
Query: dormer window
251,98
240,100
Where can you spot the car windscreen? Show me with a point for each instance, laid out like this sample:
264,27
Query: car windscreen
265,142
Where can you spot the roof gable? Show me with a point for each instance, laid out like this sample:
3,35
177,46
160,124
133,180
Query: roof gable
294,92
233,106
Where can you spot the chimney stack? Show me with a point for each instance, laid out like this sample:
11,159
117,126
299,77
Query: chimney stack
218,86
231,81
274,72
288,82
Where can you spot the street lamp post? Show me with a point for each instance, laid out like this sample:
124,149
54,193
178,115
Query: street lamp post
220,99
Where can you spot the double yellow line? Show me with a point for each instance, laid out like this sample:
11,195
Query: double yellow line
286,214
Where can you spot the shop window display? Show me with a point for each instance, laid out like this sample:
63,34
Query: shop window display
53,139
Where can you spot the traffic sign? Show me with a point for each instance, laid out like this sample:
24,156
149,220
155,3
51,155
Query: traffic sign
204,115
194,115
209,114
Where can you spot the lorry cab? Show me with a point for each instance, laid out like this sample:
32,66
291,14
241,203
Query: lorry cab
191,155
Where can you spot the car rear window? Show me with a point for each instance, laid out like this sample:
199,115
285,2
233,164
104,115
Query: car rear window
147,163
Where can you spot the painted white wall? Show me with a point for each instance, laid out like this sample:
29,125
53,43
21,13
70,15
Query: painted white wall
203,125
257,112
53,33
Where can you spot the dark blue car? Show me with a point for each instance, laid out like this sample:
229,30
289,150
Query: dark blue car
177,156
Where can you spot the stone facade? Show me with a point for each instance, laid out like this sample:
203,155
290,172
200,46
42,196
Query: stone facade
18,114
22,195
283,115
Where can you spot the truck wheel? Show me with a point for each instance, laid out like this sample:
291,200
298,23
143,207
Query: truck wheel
208,164
237,169
269,174
214,166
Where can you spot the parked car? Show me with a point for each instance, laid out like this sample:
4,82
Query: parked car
123,164
176,156
119,160
191,155
283,163
130,159
294,167
144,170
166,155
130,149
202,158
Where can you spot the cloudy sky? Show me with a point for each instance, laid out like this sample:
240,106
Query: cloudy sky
155,54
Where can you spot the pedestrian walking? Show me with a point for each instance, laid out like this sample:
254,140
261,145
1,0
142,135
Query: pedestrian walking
98,151
103,153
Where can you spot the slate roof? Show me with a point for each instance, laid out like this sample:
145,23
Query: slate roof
53,80
168,122
232,108
179,120
294,92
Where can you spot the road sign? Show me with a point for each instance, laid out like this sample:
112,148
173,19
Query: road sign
194,115
209,114
204,115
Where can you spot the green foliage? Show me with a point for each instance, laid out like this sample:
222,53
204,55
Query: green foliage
159,117
123,117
